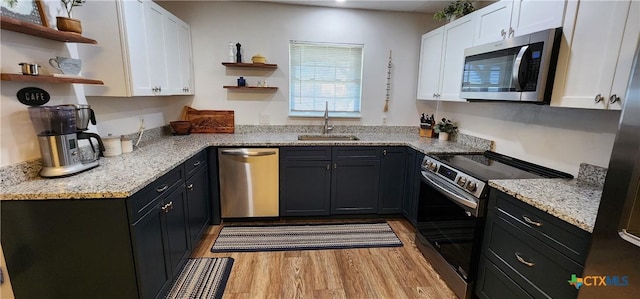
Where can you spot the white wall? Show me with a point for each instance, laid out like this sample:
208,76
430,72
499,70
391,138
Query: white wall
560,138
267,28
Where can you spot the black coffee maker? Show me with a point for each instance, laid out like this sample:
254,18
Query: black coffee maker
84,115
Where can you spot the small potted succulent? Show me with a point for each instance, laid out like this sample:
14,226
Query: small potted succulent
444,127
69,23
454,10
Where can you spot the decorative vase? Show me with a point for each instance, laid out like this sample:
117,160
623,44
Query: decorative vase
69,25
443,136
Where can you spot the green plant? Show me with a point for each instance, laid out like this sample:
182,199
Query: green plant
70,4
445,125
457,8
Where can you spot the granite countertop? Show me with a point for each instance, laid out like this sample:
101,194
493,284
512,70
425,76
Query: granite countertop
122,176
573,201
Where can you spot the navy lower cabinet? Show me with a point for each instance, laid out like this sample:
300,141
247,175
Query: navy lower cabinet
214,188
392,180
527,253
198,201
411,185
305,181
355,180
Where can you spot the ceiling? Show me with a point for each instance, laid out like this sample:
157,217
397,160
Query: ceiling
428,6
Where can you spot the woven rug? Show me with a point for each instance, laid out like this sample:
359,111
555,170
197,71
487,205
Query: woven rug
305,237
202,278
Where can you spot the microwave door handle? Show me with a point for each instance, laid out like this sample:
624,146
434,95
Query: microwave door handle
517,65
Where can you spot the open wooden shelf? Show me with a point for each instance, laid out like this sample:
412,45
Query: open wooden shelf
47,79
252,65
41,31
256,88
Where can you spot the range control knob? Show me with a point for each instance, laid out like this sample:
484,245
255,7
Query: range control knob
472,187
461,181
433,166
426,163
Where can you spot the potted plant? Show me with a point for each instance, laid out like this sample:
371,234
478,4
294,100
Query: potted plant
445,127
454,10
68,23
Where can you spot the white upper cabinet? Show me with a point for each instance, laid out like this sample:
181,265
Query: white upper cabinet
147,50
442,60
509,18
596,54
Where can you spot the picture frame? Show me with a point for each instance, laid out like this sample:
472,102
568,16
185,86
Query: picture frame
31,11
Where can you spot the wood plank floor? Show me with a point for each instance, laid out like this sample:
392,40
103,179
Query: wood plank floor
397,272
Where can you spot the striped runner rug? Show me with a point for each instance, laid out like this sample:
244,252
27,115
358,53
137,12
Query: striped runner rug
202,278
305,237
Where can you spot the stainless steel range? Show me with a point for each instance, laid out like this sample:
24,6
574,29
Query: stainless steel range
452,207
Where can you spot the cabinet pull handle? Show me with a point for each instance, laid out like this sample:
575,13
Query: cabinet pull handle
165,208
335,165
162,188
512,32
598,98
196,164
523,261
190,186
503,34
328,166
613,99
528,220
384,152
170,205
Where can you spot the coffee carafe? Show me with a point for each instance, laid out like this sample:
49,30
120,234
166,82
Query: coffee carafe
56,129
84,115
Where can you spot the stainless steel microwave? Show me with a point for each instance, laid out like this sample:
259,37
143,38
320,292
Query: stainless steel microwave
518,69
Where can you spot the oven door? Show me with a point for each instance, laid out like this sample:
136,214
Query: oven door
451,223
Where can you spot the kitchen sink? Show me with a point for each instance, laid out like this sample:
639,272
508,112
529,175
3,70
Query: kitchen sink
327,137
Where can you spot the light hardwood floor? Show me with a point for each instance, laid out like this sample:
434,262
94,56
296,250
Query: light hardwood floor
397,272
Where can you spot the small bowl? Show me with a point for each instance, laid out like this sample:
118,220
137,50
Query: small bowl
180,127
258,59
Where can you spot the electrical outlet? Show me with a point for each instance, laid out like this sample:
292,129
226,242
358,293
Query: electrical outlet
265,118
384,120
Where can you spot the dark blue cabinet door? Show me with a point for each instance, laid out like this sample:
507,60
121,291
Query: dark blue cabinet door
392,177
412,185
305,188
176,228
354,187
214,193
198,205
153,270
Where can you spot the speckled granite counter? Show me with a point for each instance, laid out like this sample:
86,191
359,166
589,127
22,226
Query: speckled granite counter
122,176
573,201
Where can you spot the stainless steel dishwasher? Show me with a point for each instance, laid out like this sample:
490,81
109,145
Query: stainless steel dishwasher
248,182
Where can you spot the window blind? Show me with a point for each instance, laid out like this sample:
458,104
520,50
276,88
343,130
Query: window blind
321,73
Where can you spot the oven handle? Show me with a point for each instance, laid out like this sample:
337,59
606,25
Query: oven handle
455,197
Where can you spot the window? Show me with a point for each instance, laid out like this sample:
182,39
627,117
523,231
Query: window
322,73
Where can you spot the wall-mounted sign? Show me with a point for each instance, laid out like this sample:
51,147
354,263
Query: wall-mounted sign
33,96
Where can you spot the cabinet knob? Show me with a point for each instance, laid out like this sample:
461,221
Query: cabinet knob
190,186
598,98
613,99
434,94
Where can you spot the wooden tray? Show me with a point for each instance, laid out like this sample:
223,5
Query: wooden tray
209,121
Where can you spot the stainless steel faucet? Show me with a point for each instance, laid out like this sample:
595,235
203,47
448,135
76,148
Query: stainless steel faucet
326,129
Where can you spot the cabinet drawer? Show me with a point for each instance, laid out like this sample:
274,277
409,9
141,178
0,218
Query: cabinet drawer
534,262
356,153
493,283
564,237
305,153
143,200
194,163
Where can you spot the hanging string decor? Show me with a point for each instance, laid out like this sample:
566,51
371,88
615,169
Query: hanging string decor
386,101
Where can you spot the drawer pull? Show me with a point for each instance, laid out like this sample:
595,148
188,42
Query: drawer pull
190,186
162,188
523,261
528,220
196,164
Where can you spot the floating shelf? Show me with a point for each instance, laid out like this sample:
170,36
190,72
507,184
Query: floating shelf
256,88
47,79
252,65
41,31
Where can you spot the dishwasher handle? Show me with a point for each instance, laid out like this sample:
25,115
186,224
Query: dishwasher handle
247,152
